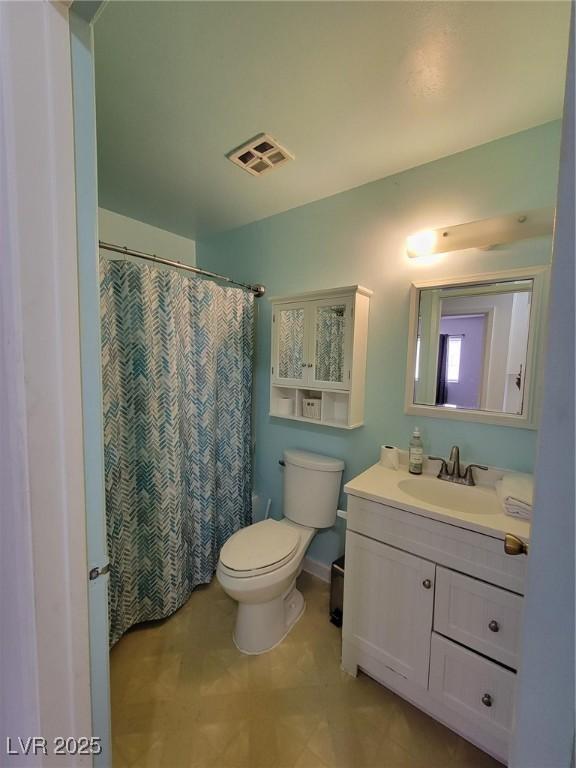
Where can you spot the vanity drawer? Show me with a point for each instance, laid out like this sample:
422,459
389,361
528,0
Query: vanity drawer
477,689
463,550
478,615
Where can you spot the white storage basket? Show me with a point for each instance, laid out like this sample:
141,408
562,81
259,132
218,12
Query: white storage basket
311,407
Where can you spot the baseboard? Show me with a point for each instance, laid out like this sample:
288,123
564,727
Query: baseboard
316,568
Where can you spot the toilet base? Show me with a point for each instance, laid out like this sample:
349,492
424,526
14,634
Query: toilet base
262,626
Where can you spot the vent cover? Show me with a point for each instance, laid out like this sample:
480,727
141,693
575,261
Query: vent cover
260,155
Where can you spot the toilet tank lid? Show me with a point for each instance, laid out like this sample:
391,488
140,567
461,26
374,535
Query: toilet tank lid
310,460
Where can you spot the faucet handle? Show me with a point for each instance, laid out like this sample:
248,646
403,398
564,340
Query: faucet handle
469,475
443,467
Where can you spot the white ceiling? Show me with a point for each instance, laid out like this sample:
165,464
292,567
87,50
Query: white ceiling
355,90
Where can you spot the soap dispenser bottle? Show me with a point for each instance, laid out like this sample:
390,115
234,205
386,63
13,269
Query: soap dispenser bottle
415,453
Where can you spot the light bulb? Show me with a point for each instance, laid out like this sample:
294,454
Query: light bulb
422,243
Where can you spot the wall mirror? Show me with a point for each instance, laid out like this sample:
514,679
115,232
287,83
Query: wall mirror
474,347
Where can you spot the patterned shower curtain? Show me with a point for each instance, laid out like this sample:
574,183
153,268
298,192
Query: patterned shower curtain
177,382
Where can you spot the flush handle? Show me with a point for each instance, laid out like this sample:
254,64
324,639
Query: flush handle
494,626
487,700
427,584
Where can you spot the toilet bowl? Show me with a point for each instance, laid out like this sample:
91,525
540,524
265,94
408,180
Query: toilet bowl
259,564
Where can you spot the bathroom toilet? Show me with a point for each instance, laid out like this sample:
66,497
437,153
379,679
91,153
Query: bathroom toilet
259,564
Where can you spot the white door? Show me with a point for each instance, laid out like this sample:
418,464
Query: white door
388,606
290,361
330,343
44,647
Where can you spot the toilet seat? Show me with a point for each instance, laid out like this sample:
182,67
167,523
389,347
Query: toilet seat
259,548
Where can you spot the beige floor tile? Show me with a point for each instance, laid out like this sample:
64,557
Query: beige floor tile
224,707
292,735
468,756
224,671
385,753
421,736
183,696
309,759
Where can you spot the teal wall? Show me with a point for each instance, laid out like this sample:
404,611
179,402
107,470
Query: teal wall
359,236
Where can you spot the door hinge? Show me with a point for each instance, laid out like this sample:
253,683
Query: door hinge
95,572
273,318
272,370
349,376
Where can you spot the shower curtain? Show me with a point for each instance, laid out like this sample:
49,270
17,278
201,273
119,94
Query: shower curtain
177,386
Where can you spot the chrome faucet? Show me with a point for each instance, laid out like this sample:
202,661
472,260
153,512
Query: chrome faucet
450,470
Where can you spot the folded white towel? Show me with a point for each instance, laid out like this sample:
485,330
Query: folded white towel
515,492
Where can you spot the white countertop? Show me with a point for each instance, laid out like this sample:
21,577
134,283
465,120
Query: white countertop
384,486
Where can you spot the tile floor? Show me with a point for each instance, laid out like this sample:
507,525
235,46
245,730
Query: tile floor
184,697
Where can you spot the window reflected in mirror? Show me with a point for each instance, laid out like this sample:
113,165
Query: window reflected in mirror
472,346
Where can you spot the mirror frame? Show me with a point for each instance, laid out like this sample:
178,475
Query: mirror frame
536,336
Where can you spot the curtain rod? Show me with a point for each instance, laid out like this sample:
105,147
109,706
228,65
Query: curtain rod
257,290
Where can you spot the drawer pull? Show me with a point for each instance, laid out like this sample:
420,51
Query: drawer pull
494,626
487,700
427,584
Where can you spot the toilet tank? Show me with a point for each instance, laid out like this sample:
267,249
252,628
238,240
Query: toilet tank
311,488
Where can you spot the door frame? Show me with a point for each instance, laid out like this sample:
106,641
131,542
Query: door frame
488,314
544,725
82,17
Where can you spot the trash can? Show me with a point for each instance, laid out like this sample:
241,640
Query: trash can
337,591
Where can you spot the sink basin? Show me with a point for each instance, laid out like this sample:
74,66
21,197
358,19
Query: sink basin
457,498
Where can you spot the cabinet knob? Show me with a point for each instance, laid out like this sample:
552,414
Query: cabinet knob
427,584
494,626
487,700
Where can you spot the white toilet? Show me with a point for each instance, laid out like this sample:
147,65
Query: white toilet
259,564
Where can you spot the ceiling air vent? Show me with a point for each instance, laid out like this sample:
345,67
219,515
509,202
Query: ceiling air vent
260,154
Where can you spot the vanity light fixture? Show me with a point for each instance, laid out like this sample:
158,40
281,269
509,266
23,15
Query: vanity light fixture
482,234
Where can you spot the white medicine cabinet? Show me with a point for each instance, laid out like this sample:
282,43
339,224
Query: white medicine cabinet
318,360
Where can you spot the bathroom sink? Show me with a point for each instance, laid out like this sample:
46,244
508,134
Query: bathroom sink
458,498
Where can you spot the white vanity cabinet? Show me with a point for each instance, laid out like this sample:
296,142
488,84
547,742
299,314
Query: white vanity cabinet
433,612
318,358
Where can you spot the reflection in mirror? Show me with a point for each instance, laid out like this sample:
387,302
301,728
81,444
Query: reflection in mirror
329,357
291,343
472,346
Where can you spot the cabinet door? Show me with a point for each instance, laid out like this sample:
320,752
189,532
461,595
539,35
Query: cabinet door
289,347
331,325
388,606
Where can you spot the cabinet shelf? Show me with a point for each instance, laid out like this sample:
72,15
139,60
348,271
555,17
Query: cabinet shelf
287,403
319,354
